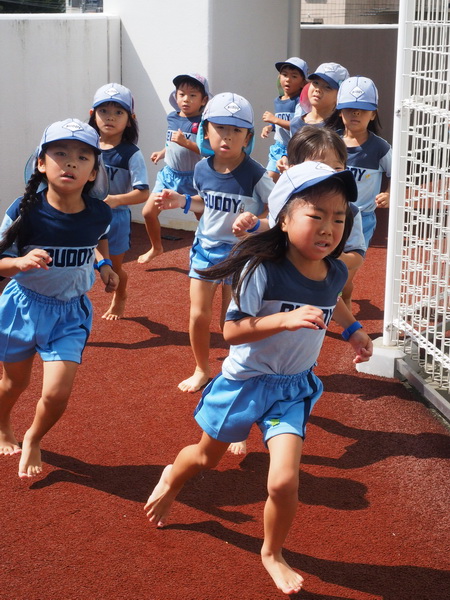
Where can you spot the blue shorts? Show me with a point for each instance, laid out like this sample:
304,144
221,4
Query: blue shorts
369,222
276,151
119,234
179,181
278,404
31,322
202,258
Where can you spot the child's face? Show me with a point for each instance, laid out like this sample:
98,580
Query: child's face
227,141
111,119
190,100
322,96
330,157
68,165
357,120
315,229
291,81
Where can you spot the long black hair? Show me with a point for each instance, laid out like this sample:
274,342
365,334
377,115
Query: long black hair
131,132
272,245
29,200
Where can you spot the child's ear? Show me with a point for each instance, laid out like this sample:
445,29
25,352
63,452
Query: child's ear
41,165
248,138
91,112
205,101
374,115
93,175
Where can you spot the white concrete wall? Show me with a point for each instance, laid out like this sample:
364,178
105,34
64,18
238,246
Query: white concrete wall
234,44
50,67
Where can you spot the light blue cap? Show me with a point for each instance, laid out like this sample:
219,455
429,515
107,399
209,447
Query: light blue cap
114,92
227,108
296,62
358,92
332,73
301,177
196,77
72,129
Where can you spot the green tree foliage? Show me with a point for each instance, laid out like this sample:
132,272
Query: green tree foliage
32,6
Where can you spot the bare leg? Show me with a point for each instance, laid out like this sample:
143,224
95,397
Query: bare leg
56,390
150,212
226,297
15,379
281,506
117,307
201,295
190,461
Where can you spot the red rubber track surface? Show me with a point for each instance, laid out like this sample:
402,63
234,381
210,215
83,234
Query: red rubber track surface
373,515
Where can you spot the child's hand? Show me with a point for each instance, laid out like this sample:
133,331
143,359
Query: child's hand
266,131
244,221
308,317
157,156
382,200
179,138
35,259
109,278
269,117
362,345
168,199
282,164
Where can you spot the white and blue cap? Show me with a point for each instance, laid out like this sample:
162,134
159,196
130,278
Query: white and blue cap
72,129
114,92
227,108
195,77
301,177
358,92
333,73
296,62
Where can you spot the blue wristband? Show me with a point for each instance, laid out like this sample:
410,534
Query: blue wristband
255,227
187,206
102,263
351,330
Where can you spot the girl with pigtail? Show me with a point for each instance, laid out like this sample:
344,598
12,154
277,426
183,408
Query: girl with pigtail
50,239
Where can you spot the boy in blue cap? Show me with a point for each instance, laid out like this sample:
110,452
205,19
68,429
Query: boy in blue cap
227,182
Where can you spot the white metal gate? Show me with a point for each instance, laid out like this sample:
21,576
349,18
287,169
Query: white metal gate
417,308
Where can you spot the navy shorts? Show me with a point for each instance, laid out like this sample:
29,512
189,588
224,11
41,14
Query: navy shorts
31,322
278,404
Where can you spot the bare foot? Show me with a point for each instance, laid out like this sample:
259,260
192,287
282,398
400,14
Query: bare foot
116,310
150,255
286,579
30,463
8,442
195,382
160,501
238,448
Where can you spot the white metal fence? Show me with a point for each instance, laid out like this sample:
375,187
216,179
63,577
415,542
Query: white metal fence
417,311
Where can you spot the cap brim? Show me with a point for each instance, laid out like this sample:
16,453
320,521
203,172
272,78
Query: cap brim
233,121
122,104
329,80
280,65
346,176
357,105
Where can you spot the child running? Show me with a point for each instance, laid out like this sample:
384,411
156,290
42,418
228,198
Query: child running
112,116
323,145
181,152
286,283
322,97
227,183
292,78
50,238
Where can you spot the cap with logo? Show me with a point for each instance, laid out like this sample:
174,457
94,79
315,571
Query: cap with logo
72,129
195,77
303,176
333,73
358,92
296,62
227,108
114,92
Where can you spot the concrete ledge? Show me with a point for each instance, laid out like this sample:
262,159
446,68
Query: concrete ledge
383,360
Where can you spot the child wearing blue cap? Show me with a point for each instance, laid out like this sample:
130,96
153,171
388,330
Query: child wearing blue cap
292,78
286,283
49,240
323,88
369,155
112,116
227,182
180,153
